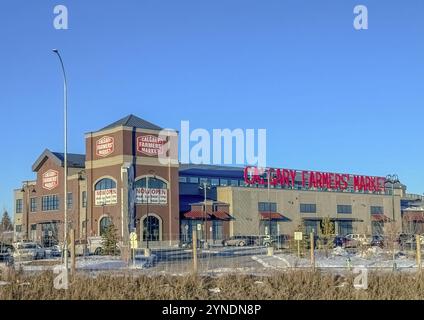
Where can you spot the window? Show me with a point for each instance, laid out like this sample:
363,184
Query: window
18,228
50,203
19,206
33,205
377,210
215,182
308,208
345,227
243,183
193,180
151,227
69,200
267,207
33,227
234,183
310,226
151,183
223,182
344,209
84,199
203,180
182,179
104,224
105,184
265,225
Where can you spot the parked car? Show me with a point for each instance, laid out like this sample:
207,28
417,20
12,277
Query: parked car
6,251
241,241
377,241
28,251
339,241
354,239
281,241
93,246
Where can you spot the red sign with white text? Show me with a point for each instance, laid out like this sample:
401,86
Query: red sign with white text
150,145
50,179
105,146
313,179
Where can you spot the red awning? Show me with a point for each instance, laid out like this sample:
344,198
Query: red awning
221,215
414,216
271,215
196,215
379,218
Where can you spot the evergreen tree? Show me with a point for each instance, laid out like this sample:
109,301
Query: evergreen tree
110,240
6,223
327,234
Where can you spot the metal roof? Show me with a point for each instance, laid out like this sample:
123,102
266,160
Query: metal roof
74,160
132,121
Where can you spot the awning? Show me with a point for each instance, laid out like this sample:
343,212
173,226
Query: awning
380,218
221,215
272,216
414,216
198,215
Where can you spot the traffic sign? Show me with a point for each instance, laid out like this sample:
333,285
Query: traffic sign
298,236
133,236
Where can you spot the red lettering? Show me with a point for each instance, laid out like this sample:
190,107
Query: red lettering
293,177
312,182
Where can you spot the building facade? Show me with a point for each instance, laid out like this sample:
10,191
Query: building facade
130,177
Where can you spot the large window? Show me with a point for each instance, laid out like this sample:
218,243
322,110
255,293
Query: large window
19,208
193,180
344,209
151,183
18,228
308,208
267,207
377,210
214,182
50,203
345,227
33,205
182,179
105,184
311,226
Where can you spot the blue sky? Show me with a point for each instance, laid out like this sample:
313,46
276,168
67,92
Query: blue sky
332,98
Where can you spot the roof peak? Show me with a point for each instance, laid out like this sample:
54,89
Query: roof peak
132,120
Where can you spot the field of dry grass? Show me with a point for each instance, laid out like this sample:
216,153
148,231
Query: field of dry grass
279,286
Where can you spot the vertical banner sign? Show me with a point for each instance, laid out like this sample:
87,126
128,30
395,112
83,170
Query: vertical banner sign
131,199
106,197
50,179
150,145
105,146
151,196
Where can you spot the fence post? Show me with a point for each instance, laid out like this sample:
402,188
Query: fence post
418,241
72,236
194,239
312,250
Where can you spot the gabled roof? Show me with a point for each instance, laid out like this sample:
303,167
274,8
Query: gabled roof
74,160
132,121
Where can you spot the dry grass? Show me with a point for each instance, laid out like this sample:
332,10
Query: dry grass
280,286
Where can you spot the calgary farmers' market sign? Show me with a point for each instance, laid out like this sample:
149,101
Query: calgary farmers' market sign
50,179
106,197
151,196
312,179
105,146
150,145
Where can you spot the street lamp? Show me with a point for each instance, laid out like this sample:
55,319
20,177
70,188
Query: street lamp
65,160
393,179
205,187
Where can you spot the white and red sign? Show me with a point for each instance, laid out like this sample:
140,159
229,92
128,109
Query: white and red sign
150,145
151,196
105,146
106,197
50,179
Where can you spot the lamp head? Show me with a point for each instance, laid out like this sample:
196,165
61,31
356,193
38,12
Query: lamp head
55,51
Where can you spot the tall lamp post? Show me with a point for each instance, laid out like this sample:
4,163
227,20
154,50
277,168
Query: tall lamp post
25,189
65,160
152,172
393,179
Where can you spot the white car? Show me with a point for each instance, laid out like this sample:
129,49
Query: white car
28,251
354,239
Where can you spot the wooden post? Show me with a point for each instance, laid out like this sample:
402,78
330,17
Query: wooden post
312,250
194,239
298,248
72,237
418,241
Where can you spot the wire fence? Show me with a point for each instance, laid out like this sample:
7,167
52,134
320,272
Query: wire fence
218,258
